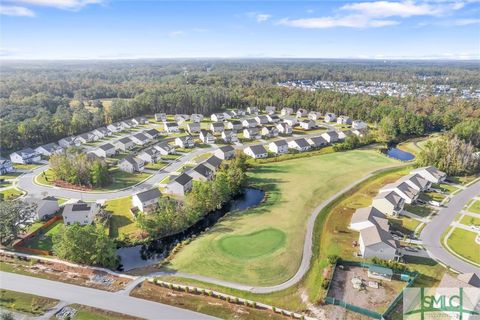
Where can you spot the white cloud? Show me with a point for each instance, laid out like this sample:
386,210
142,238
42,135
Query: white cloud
466,22
351,21
60,4
260,17
403,9
176,33
16,11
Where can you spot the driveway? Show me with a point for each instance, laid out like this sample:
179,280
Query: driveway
113,301
432,233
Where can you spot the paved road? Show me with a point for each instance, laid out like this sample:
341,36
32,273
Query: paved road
95,298
432,233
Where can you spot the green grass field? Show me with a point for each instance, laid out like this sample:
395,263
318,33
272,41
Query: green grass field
45,241
475,207
10,175
463,243
293,189
11,193
155,166
446,187
469,220
122,221
25,303
26,166
419,210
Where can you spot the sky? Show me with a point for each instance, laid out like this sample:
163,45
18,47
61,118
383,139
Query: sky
127,29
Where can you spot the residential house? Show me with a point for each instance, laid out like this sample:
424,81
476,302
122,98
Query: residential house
431,174
171,127
127,124
164,148
25,156
131,164
286,111
80,212
270,110
299,144
377,242
389,203
193,127
238,112
185,142
161,117
49,149
225,152
256,151
284,129
249,123
206,137
252,110
180,118
228,115
251,133
360,133
308,124
364,218
124,144
229,136
150,155
213,163
314,115
344,120
140,120
317,142
404,190
234,125
105,150
151,133
86,137
201,173
290,121
261,119
278,147
273,118
5,166
217,117
342,134
46,208
139,138
115,127
330,117
302,113
330,136
416,181
269,132
102,132
180,185
196,117
217,127
68,142
146,201
359,125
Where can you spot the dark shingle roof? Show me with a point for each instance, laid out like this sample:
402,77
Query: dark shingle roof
106,146
149,195
227,148
125,140
183,179
214,161
258,149
203,170
302,143
280,143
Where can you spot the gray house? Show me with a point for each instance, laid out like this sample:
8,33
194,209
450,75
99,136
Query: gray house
193,127
105,150
131,164
146,201
213,163
185,142
25,156
180,185
225,153
124,144
150,155
49,149
201,173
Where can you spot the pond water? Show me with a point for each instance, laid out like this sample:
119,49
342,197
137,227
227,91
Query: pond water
153,252
399,154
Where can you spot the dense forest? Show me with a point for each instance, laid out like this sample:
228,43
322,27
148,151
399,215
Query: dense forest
40,103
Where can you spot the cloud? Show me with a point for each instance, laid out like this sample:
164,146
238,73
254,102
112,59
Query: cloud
351,21
176,33
16,11
59,4
466,22
260,17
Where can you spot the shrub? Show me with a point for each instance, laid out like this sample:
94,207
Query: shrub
325,284
332,259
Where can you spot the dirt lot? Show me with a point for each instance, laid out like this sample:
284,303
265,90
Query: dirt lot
339,313
369,298
60,272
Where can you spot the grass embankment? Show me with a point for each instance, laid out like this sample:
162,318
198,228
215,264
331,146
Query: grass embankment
89,313
462,242
25,303
11,193
294,188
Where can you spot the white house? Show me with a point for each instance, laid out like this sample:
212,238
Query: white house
217,117
185,142
252,110
124,144
314,115
359,125
115,127
25,156
196,117
149,155
131,164
317,142
140,120
389,203
269,132
290,121
206,137
256,151
234,125
49,149
139,138
193,127
302,113
180,185
270,110
249,123
308,124
261,119
164,148
225,152
299,144
284,128
330,117
146,201
105,150
344,120
171,127
404,190
217,127
229,136
286,111
102,132
80,212
46,207
251,133
278,147
431,174
330,136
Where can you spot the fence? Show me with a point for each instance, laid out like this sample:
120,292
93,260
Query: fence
20,245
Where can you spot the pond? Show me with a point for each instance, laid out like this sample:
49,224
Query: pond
153,252
398,154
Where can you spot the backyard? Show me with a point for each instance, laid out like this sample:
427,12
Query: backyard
122,221
44,240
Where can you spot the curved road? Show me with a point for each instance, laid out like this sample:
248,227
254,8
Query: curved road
431,235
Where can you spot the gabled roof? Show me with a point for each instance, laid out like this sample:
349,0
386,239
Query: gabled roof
217,124
372,215
235,122
193,124
164,146
140,136
150,151
132,160
251,121
258,149
318,141
125,140
226,149
252,130
149,195
214,161
391,196
171,124
203,170
280,143
416,179
107,146
301,142
373,235
182,179
50,147
152,132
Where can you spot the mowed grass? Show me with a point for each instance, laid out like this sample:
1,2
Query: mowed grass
44,241
122,221
469,220
463,243
89,313
293,189
475,207
25,303
11,193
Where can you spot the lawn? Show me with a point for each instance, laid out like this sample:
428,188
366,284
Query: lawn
475,207
462,242
122,221
293,189
469,220
445,187
25,303
171,156
155,166
419,210
429,196
44,241
10,175
11,193
26,166
89,313
46,177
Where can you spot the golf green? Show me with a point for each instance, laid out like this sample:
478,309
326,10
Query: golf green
253,245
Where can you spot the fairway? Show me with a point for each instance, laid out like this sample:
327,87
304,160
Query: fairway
233,250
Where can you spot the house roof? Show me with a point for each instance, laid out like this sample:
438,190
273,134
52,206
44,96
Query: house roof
264,118
258,149
193,125
125,140
203,170
273,116
50,198
372,215
416,179
214,161
280,143
78,208
301,142
152,132
171,124
132,160
149,195
50,146
252,130
106,146
226,149
373,235
150,151
217,124
182,179
164,146
318,141
391,196
464,280
184,138
235,122
380,270
140,136
250,121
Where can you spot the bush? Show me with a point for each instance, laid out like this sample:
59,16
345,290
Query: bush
325,284
332,259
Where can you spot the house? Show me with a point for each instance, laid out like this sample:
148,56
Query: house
131,164
278,147
101,132
206,137
180,118
314,115
269,132
229,136
330,136
273,118
213,163
49,149
364,218
161,117
359,125
301,113
270,110
344,120
217,117
256,151
463,280
360,133
261,120
403,189
185,142
147,200
286,111
140,120
80,212
201,173
317,142
416,181
217,127
299,144
330,117
252,110
238,112
5,166
164,148
68,142
228,115
196,117
139,138
234,125
431,174
249,123
380,273
25,156
251,133
124,144
151,133
308,124
105,150
180,185
225,153
149,155
389,203
171,127
115,127
46,208
193,127
377,242
284,129
86,137
342,134
290,121
126,124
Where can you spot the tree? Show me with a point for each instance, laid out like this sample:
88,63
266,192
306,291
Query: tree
15,216
469,131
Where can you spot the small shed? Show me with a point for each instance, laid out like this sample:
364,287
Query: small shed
378,272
